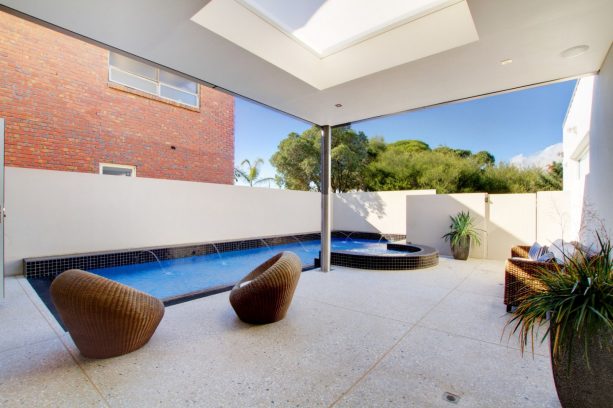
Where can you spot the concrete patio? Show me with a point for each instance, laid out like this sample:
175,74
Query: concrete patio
351,338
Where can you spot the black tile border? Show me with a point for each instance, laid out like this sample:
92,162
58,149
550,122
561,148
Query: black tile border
367,235
54,265
416,257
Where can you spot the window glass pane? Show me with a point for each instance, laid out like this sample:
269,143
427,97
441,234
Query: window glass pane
179,96
132,81
178,82
133,66
117,171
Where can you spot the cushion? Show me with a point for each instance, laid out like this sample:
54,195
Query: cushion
536,250
561,250
546,257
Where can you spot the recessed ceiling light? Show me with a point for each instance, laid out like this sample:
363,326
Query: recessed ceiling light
338,105
506,61
575,51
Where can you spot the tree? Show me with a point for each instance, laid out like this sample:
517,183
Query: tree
484,158
298,160
372,165
251,173
409,146
553,177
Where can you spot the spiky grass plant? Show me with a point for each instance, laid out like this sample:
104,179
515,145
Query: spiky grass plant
573,302
462,227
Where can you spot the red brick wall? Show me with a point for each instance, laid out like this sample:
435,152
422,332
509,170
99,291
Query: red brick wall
62,114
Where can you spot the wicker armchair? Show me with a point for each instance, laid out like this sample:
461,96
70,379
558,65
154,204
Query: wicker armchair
520,275
104,318
265,294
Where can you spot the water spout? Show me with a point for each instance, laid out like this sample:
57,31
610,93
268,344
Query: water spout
301,244
347,236
147,251
219,255
267,246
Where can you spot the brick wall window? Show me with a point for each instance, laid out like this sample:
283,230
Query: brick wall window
117,170
135,74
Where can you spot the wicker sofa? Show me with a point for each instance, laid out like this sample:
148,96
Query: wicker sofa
520,276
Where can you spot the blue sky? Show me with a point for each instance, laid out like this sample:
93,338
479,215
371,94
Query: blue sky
522,122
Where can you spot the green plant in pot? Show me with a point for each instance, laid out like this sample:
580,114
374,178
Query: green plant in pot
461,233
574,305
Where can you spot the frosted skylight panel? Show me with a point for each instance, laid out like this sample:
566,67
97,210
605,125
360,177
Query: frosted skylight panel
328,26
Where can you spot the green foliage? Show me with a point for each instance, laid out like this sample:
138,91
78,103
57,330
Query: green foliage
448,171
376,146
485,158
577,296
462,227
409,146
250,173
553,176
440,169
298,159
372,165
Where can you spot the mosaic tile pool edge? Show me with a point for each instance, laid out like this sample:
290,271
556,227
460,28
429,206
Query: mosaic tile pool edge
54,265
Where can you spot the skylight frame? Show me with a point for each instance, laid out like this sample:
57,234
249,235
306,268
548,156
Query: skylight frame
357,39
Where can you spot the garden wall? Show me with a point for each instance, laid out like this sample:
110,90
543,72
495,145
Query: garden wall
505,220
55,212
383,211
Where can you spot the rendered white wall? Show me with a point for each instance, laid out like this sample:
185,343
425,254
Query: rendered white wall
576,142
383,211
53,213
553,217
508,219
428,218
598,204
512,221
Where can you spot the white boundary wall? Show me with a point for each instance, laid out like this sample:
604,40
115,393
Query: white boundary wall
428,219
506,220
553,217
53,213
383,211
512,221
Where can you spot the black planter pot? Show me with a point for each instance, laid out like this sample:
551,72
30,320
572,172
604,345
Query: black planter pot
460,251
578,385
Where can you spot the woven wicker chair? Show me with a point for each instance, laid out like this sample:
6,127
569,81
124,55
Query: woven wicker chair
520,275
104,318
267,296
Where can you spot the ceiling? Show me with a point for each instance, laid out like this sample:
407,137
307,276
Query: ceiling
531,33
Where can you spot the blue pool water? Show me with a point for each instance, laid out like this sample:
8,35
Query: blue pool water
175,277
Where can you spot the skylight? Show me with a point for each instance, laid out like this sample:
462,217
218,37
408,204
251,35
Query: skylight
329,42
328,26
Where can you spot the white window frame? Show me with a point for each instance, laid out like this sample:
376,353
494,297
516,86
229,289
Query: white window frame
157,84
117,166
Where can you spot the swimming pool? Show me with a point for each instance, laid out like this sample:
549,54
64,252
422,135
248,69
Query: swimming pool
173,278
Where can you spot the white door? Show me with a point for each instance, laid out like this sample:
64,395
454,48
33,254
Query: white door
1,208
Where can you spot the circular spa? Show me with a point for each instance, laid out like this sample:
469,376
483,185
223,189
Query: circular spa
363,254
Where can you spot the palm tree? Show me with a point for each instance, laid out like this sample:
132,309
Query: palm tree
251,173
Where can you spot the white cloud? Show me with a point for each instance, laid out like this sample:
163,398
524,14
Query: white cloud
539,159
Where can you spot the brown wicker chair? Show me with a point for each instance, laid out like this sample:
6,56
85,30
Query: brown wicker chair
104,318
267,296
520,275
